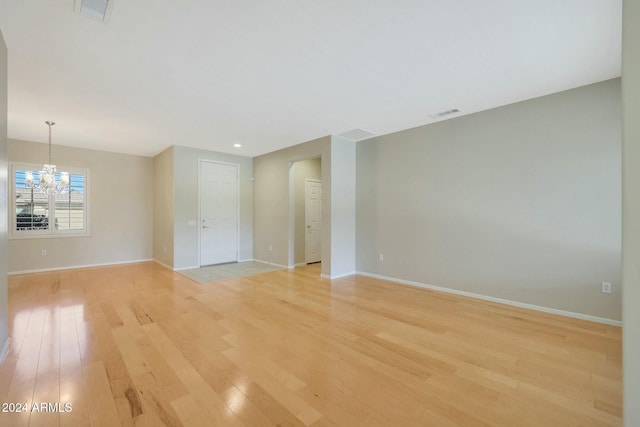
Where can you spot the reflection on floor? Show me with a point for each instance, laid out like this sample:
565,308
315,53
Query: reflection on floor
214,273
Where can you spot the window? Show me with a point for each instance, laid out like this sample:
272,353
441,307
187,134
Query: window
37,214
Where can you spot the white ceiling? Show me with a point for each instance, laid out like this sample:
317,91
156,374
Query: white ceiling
273,73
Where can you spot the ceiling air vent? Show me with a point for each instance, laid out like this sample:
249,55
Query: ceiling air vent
356,134
96,9
444,113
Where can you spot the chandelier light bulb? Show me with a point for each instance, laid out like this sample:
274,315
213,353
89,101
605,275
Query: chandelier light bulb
29,178
47,176
64,179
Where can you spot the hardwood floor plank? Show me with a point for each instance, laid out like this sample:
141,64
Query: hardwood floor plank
72,386
47,385
151,391
122,388
191,412
297,406
7,369
217,410
21,390
102,408
614,410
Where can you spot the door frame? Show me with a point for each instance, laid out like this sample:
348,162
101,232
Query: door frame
319,181
198,224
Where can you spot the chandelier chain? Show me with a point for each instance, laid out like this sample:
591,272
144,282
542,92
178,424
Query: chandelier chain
50,124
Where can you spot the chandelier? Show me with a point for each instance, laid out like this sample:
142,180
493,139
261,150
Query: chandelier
47,182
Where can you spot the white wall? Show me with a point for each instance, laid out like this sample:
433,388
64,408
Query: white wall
120,209
163,195
4,328
520,202
302,170
185,236
631,210
343,207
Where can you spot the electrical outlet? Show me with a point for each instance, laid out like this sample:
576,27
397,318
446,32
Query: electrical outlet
44,252
606,287
270,248
380,257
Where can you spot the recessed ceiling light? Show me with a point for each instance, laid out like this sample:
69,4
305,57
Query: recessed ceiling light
237,145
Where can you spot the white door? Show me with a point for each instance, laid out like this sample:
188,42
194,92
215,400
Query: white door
313,220
218,213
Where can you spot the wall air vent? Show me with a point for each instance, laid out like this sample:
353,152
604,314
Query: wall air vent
444,113
96,9
356,134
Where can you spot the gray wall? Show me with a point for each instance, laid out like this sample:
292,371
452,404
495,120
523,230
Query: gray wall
631,210
520,202
185,236
120,210
163,195
302,170
271,202
4,329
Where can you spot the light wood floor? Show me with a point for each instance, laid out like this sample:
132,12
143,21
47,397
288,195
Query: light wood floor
139,345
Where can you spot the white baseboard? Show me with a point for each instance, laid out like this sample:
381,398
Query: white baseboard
498,300
289,267
272,263
337,276
197,266
242,260
186,268
75,267
298,264
4,351
163,264
193,266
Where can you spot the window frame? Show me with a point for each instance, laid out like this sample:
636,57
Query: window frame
51,232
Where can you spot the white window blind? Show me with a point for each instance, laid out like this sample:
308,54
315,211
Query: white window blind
38,214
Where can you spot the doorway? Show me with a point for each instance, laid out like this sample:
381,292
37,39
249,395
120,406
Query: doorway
313,220
305,201
218,222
